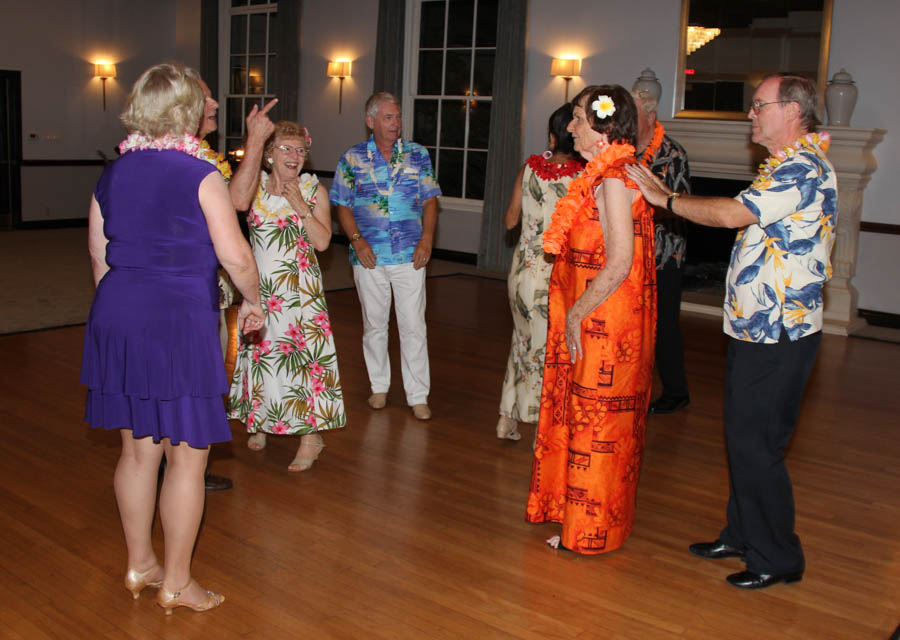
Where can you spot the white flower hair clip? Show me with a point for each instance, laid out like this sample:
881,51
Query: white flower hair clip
604,107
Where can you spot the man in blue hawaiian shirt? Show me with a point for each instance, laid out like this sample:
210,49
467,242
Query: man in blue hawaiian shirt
773,314
386,197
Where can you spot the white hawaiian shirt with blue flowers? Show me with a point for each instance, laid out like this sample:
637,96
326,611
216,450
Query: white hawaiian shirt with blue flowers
780,265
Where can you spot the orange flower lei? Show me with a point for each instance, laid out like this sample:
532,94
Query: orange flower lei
579,201
650,152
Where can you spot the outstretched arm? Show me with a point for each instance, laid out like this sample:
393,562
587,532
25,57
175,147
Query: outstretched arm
709,211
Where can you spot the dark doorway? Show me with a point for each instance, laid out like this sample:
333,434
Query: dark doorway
10,148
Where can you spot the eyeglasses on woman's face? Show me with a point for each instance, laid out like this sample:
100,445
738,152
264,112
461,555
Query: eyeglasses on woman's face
300,151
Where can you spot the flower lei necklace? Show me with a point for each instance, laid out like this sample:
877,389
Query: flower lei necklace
578,201
809,141
554,170
186,143
395,163
649,153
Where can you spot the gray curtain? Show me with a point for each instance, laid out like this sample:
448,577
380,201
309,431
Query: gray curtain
209,52
389,46
286,83
505,138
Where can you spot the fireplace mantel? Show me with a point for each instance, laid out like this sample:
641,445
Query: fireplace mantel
722,149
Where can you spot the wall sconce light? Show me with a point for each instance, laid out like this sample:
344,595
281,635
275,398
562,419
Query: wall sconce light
340,70
699,36
566,69
104,71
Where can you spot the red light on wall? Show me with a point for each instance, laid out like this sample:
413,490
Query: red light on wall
688,72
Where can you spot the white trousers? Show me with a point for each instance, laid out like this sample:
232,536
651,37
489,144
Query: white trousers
374,288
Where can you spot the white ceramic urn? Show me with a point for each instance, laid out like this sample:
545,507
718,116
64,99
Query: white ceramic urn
840,98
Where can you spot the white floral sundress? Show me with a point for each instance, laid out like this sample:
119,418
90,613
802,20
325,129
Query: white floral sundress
287,382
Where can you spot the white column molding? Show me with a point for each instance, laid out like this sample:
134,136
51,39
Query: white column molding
722,149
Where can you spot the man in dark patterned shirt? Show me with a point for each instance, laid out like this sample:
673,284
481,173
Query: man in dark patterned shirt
668,160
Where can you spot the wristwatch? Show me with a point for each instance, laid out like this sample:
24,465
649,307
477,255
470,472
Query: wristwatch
356,236
672,197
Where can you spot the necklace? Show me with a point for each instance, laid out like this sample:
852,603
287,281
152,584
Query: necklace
546,170
810,142
578,201
649,153
187,144
394,163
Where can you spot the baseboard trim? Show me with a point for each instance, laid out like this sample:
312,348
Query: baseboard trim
880,318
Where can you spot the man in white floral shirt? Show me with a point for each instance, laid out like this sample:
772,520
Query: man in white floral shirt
773,313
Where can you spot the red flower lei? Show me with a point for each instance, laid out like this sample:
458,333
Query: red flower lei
546,170
650,152
579,201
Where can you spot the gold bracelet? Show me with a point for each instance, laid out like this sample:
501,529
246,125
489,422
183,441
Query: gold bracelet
672,196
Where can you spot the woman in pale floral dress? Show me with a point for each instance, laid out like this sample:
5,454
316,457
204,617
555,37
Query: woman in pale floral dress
286,376
541,182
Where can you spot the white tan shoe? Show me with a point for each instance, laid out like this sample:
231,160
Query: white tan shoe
421,411
508,429
377,400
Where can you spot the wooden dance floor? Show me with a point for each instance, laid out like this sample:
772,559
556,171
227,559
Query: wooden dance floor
406,529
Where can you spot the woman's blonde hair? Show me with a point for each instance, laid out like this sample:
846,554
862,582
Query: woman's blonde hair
284,129
167,98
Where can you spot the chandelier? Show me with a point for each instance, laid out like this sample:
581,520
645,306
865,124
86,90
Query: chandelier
699,36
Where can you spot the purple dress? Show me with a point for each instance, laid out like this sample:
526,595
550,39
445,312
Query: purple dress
152,358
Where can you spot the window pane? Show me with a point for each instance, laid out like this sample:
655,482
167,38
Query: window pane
430,63
479,124
475,170
483,80
238,3
425,122
238,82
260,1
273,30
458,69
238,34
450,173
486,30
431,30
459,23
257,74
233,126
258,33
273,73
453,123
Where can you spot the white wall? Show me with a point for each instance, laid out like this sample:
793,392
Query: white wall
864,41
54,43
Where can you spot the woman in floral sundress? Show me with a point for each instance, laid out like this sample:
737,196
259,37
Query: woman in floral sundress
286,378
541,182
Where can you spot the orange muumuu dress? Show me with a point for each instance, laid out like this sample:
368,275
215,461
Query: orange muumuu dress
590,437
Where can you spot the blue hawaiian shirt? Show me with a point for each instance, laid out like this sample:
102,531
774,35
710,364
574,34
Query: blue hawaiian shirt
386,198
780,265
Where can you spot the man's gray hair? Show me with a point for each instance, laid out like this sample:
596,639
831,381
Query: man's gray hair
647,103
802,90
376,99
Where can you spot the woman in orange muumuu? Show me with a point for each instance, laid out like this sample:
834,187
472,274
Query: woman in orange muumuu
598,367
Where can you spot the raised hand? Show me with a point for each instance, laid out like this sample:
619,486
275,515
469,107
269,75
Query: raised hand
259,126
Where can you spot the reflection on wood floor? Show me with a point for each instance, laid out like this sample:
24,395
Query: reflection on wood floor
405,529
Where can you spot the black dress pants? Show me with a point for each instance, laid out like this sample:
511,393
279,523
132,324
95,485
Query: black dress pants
669,343
764,386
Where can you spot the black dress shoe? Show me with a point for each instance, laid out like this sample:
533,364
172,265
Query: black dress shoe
669,404
216,483
753,580
715,550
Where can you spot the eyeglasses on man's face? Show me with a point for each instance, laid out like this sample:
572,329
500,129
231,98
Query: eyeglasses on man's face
756,106
300,151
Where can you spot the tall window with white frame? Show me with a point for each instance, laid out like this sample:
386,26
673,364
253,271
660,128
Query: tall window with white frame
451,90
248,48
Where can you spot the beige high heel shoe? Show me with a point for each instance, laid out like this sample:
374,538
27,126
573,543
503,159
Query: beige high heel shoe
169,600
508,429
136,581
311,446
